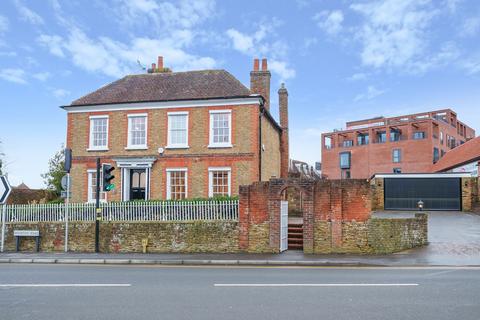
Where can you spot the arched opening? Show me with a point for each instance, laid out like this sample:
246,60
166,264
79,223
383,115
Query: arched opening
294,197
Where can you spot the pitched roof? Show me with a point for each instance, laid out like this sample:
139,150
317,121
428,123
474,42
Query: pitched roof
22,186
169,86
461,155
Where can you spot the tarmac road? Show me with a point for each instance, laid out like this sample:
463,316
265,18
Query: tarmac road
38,291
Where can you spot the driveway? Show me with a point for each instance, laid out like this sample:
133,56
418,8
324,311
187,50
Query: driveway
454,238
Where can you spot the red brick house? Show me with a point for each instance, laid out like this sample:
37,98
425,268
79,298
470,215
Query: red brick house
402,144
465,158
176,135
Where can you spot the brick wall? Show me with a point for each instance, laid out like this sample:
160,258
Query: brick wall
374,236
127,236
336,218
254,219
391,235
270,150
378,194
243,157
468,193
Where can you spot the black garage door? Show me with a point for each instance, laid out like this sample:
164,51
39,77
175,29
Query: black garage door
436,193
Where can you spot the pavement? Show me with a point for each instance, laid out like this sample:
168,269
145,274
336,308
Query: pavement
454,240
54,292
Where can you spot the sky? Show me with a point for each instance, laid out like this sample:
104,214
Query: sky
340,60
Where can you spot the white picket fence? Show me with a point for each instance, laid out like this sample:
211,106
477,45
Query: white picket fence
127,211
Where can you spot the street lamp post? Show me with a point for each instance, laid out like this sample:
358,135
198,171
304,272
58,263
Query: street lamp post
420,205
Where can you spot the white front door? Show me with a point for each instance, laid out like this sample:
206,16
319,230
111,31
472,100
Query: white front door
283,225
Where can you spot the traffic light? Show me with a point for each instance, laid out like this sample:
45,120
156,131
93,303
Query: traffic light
108,177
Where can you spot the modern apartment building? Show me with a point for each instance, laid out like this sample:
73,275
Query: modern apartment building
404,144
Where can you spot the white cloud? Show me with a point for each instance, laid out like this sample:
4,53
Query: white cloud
42,76
358,76
175,23
309,42
60,93
26,14
53,43
472,65
3,24
330,21
13,75
8,54
282,69
370,94
241,42
393,32
260,43
302,3
471,26
452,5
115,59
165,15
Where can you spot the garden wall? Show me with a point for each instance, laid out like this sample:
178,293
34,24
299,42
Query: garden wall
195,236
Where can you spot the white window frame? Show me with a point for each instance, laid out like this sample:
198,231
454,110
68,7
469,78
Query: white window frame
91,147
90,198
129,143
171,145
210,179
223,144
169,191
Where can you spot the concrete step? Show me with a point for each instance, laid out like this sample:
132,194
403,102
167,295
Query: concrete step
295,225
295,241
295,246
295,235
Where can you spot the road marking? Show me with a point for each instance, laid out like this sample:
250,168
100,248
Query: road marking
315,284
62,285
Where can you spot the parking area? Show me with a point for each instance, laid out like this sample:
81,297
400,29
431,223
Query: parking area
454,237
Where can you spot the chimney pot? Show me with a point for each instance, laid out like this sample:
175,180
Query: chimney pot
264,64
256,64
160,62
260,81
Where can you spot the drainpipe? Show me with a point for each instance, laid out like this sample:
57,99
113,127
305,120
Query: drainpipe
260,114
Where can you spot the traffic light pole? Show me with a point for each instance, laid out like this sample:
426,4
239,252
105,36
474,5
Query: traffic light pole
98,211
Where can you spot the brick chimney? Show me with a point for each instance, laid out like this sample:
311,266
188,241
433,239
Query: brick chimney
260,81
159,67
284,147
160,62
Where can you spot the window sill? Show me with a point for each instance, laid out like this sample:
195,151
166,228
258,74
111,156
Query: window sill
219,146
136,148
99,149
177,147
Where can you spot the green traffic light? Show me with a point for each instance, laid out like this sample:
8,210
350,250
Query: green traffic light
110,187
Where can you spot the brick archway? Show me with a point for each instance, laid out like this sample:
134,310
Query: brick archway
327,205
304,187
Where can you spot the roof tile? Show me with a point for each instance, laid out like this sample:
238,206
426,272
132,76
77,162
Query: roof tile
169,86
463,154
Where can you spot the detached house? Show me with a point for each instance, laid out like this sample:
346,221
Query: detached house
176,135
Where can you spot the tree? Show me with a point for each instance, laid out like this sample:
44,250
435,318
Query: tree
53,178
